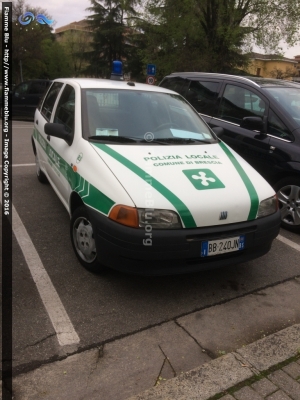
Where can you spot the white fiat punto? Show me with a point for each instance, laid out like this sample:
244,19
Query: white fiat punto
149,187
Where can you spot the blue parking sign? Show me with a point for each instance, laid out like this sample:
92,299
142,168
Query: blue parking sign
151,69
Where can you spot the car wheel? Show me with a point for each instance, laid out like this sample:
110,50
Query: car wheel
39,173
288,192
83,241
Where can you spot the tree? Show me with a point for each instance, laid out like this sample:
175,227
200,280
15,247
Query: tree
173,40
111,34
55,61
76,44
29,57
26,45
268,22
213,35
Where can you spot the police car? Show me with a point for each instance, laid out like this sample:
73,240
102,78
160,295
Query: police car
149,187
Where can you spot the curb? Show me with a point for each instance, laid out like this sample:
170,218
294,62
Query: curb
223,373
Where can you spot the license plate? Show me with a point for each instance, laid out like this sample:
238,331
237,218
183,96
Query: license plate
222,246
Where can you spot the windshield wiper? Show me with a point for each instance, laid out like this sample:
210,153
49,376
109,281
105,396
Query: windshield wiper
179,140
156,141
118,139
126,139
202,141
162,141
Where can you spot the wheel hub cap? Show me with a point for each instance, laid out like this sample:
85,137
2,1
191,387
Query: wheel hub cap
84,240
289,202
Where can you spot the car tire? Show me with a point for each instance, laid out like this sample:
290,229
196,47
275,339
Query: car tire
288,192
83,242
39,173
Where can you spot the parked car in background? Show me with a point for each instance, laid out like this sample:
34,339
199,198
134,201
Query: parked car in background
149,187
260,120
26,96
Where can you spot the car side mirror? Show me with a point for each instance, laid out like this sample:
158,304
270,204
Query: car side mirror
253,123
218,130
58,130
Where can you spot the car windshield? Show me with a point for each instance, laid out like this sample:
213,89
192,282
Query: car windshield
129,116
289,98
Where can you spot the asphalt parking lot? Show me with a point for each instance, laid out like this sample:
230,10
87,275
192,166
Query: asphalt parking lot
59,308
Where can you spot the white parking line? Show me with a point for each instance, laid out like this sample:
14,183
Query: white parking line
288,242
66,334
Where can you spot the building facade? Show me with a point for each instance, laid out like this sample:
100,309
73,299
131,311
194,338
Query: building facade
273,66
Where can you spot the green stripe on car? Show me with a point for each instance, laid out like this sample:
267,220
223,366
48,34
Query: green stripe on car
249,186
181,208
93,197
89,194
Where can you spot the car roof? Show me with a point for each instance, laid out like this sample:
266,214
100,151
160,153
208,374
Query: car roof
273,82
254,80
94,83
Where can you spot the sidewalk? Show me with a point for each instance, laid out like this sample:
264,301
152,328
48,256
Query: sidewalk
266,369
281,384
196,356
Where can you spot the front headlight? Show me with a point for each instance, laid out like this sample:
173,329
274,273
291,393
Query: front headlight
267,207
145,218
158,219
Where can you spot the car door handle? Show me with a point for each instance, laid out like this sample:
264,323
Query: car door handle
272,148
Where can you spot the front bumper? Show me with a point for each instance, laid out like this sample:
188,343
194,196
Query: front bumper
177,251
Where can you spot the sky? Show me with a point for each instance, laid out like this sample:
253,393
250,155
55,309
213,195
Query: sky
66,11
62,11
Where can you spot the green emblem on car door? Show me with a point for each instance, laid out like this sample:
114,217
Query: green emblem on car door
203,179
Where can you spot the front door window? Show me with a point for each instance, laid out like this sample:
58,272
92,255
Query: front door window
238,103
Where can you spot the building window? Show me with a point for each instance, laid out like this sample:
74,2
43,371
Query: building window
258,71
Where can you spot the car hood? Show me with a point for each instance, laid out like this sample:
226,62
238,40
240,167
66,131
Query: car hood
205,184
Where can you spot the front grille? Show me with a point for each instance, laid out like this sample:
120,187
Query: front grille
221,232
